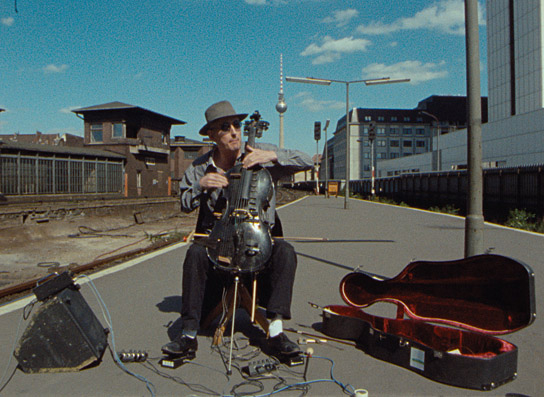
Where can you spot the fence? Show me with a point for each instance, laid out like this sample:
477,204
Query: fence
504,189
27,175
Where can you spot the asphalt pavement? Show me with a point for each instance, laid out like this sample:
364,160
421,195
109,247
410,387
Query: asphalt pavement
143,299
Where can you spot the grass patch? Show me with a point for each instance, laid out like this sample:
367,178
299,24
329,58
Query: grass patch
448,209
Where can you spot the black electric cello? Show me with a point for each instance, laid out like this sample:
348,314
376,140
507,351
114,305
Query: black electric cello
240,241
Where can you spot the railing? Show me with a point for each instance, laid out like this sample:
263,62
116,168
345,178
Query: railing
35,175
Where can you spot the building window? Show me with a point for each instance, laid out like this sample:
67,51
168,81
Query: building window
406,118
407,131
420,143
138,179
381,155
149,161
406,143
118,130
96,133
380,118
394,143
190,155
380,142
420,131
394,155
380,130
368,118
393,131
393,118
366,155
366,143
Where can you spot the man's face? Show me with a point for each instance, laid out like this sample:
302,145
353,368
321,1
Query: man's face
227,134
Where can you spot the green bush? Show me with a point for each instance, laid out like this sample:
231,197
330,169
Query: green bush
523,219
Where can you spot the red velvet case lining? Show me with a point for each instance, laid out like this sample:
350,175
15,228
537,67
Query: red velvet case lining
444,339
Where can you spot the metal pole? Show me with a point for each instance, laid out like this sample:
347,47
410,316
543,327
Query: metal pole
474,222
348,133
326,165
438,159
233,320
316,167
372,169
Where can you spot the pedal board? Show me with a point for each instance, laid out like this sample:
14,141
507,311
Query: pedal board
174,362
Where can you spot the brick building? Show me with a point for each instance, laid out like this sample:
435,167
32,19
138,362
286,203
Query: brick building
141,135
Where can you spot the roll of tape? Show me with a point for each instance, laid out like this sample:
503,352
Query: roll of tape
361,393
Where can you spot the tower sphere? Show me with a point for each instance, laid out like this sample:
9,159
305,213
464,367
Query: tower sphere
281,107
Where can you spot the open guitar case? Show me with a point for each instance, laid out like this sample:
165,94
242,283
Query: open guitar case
476,299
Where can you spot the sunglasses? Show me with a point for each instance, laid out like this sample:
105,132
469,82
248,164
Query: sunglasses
226,125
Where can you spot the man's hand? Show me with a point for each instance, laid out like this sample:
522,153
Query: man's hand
255,156
213,180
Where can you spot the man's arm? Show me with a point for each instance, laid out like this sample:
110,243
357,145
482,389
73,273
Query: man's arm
190,189
283,162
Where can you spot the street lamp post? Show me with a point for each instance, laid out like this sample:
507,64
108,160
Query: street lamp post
326,159
312,80
438,159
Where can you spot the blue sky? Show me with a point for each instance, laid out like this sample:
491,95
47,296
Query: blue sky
178,57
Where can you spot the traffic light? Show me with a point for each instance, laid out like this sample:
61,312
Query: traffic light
317,130
372,130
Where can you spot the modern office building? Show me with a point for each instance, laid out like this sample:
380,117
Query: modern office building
398,133
514,134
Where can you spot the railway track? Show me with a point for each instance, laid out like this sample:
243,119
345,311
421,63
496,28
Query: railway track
15,291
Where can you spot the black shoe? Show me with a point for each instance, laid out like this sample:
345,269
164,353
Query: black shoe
282,345
182,345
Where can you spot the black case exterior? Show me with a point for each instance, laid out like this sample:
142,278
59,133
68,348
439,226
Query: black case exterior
63,335
463,354
441,366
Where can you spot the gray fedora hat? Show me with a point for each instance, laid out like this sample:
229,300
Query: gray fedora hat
218,111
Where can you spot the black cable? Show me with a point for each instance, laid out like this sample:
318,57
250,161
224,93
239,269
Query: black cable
8,380
26,313
193,387
256,383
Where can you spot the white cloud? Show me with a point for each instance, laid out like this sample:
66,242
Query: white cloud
68,109
314,105
330,49
416,71
52,68
447,16
341,17
7,21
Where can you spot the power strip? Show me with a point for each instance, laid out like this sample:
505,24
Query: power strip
261,367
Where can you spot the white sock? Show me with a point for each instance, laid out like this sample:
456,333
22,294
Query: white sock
275,328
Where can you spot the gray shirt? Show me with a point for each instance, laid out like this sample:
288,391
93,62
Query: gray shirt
193,196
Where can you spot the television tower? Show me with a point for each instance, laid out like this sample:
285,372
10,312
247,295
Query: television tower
281,106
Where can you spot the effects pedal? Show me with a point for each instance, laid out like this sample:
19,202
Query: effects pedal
174,362
294,360
259,367
132,356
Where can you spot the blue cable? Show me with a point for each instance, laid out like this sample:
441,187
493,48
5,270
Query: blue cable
107,318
